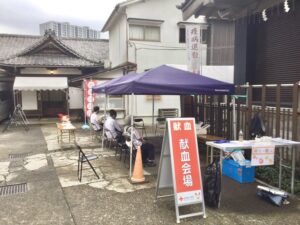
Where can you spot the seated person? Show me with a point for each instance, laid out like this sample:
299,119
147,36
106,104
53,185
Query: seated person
96,121
113,126
148,150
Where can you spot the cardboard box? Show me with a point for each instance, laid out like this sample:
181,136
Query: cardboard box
241,174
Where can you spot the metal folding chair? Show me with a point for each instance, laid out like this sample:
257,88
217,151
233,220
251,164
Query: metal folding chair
109,140
82,158
138,123
160,124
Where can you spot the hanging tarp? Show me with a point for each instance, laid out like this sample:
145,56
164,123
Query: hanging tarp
165,80
40,83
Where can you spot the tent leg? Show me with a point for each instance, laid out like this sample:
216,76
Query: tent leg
105,119
152,113
131,136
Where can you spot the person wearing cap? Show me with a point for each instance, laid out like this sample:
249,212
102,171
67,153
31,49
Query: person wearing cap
148,150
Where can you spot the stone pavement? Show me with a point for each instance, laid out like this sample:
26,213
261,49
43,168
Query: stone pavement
55,196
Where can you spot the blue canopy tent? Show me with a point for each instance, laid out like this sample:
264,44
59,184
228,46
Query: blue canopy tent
164,80
102,88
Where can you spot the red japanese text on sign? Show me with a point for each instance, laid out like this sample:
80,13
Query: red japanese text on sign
185,156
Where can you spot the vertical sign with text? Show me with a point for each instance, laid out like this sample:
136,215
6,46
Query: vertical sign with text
185,161
193,46
89,97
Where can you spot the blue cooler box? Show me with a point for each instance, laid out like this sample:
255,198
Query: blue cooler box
238,173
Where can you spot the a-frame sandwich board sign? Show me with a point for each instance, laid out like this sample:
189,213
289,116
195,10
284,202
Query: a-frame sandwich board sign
179,166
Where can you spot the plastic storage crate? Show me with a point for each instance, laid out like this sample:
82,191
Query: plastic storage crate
241,174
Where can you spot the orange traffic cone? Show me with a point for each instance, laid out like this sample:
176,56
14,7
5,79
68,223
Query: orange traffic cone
138,171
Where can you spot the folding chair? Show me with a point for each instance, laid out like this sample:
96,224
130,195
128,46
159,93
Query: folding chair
160,124
109,139
95,135
138,123
82,158
121,149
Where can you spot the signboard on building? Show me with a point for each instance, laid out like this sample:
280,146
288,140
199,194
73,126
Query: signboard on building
193,46
89,97
262,155
180,165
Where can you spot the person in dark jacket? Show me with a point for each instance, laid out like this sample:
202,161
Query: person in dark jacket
257,127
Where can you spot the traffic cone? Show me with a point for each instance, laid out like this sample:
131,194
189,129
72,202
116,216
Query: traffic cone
138,171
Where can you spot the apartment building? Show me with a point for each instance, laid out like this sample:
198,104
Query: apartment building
67,30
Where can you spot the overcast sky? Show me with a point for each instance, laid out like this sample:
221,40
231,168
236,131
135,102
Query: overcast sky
24,16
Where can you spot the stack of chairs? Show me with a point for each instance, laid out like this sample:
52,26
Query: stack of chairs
163,114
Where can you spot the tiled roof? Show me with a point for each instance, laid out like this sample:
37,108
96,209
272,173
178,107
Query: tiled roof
48,60
88,52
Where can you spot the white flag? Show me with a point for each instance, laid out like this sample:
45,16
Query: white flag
193,46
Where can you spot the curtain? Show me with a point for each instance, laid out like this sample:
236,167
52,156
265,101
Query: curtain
136,32
152,33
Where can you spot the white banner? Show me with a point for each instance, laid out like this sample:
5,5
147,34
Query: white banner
193,46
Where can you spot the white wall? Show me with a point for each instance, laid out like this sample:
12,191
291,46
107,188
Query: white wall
222,73
29,100
162,10
118,42
76,98
109,75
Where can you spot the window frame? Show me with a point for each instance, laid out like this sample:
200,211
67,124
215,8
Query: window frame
144,32
202,42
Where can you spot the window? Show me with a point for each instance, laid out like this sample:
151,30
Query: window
144,33
182,35
113,102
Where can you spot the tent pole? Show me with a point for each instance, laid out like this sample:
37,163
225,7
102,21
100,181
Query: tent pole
153,113
105,105
131,136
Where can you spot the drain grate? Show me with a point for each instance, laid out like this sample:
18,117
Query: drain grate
19,156
13,189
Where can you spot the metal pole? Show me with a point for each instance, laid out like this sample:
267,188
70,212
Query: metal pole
153,113
131,136
293,169
280,168
105,105
234,117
